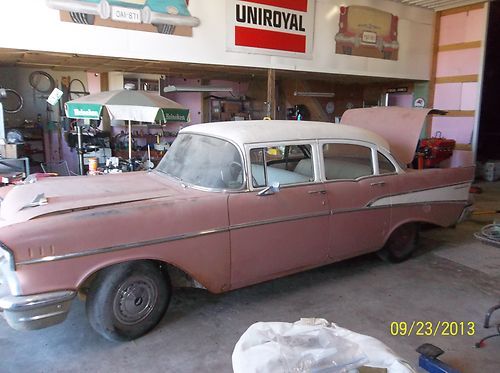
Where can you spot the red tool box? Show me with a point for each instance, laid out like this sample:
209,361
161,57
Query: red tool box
433,150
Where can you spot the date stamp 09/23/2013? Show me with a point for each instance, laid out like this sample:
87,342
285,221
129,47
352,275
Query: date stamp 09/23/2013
432,328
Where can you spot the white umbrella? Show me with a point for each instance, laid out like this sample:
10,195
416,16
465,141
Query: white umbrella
127,105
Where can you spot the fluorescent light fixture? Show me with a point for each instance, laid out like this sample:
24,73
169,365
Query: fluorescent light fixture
194,88
314,94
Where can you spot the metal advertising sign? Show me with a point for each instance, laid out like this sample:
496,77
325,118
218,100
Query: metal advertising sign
274,27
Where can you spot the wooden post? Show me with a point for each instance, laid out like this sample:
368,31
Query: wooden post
271,93
104,81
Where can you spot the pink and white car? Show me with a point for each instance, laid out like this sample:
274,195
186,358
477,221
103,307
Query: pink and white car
231,204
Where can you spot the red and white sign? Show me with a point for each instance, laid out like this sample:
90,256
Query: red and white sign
275,27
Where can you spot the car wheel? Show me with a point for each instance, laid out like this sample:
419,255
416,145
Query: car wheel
165,29
401,244
87,19
127,300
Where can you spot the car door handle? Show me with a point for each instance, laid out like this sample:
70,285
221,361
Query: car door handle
379,183
317,192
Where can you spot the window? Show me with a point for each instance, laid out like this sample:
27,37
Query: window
347,161
204,161
385,166
285,164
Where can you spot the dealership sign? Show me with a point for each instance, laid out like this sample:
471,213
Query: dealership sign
275,27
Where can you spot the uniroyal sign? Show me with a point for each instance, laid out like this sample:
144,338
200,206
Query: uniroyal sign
276,27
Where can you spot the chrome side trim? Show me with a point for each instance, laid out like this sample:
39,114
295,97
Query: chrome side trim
122,247
461,185
171,238
280,220
368,207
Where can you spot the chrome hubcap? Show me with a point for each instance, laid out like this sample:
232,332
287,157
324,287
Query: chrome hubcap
135,300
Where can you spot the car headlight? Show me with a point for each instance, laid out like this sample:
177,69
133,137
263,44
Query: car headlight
7,258
172,10
8,269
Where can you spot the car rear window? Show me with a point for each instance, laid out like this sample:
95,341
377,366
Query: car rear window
347,161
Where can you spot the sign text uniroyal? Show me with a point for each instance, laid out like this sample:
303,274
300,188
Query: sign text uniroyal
276,27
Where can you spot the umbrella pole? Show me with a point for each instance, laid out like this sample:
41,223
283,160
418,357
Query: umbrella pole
80,149
130,144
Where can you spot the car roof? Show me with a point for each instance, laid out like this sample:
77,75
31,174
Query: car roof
267,131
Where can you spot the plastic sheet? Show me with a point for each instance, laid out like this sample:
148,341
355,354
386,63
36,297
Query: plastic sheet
310,345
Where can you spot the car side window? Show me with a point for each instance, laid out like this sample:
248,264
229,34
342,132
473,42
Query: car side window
285,164
385,166
347,161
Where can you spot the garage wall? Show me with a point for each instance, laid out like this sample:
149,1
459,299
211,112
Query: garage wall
34,26
458,66
35,104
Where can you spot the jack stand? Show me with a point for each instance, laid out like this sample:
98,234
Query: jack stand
429,361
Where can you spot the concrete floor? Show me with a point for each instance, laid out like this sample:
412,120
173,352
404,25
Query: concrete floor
452,277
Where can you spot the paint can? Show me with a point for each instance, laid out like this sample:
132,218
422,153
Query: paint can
93,164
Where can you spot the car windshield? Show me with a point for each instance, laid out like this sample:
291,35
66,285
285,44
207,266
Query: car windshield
203,161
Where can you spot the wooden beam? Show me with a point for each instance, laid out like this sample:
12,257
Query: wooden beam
457,113
104,82
457,79
271,93
461,113
463,147
462,9
460,46
432,81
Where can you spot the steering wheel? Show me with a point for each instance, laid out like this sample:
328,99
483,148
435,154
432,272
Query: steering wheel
231,173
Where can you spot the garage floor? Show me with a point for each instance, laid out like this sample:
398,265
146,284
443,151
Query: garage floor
451,278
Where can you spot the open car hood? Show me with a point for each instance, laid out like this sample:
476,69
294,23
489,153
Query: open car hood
401,127
58,194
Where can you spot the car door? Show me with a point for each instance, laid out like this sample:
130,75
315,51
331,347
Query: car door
279,232
353,181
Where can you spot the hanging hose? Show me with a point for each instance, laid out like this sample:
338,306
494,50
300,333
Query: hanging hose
83,91
7,94
42,82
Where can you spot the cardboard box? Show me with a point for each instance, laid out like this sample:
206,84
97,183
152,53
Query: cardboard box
12,150
491,170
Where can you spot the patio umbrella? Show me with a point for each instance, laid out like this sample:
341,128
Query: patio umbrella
127,105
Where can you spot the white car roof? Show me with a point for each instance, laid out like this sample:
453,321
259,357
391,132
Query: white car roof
267,131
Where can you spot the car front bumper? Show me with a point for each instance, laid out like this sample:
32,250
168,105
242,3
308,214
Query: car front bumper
29,312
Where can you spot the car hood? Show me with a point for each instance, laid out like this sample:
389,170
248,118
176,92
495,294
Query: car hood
401,127
57,194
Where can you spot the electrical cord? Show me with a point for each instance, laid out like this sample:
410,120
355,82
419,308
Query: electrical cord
491,231
481,342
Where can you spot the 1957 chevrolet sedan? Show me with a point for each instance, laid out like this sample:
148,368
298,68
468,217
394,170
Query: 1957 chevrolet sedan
231,204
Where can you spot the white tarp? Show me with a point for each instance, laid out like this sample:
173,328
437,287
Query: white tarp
311,345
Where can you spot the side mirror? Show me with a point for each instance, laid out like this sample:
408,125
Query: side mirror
269,190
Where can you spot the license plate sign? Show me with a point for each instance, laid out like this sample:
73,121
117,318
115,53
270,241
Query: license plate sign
119,13
369,37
